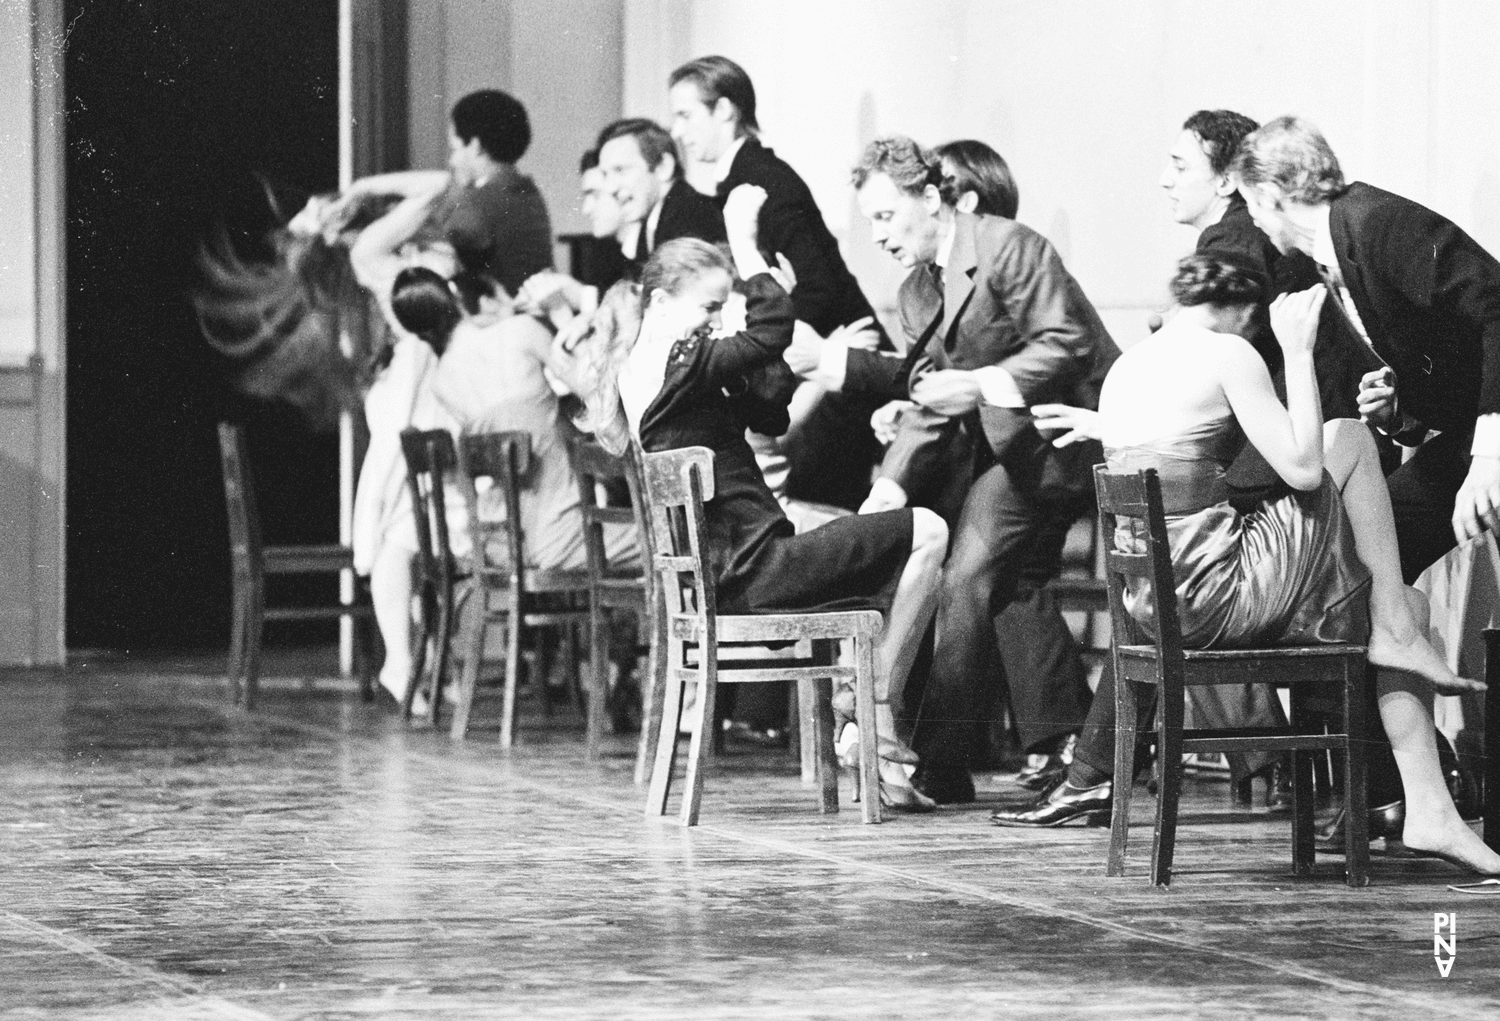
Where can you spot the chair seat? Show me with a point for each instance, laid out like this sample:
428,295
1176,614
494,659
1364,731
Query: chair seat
780,627
308,559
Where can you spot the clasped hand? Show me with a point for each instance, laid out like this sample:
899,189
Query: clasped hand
1294,319
950,392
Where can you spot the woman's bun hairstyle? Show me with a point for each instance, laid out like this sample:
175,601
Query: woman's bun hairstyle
1204,279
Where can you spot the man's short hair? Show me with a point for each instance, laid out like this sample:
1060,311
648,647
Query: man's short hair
1292,155
909,166
1220,132
980,169
497,119
588,161
651,137
721,78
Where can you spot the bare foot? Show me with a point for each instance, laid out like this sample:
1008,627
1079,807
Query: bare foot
1416,655
1454,842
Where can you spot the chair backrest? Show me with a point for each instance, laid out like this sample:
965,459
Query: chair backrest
596,469
504,457
430,459
677,482
1136,496
245,543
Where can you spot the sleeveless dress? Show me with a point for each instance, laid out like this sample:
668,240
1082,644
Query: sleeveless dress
1285,573
759,565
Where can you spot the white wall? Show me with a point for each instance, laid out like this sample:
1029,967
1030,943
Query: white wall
1083,98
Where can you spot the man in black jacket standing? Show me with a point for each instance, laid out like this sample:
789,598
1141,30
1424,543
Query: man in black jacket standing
832,449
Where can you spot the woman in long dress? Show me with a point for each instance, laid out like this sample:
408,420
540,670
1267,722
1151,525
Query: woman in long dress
1317,565
661,378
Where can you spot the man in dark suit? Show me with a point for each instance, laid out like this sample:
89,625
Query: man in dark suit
831,450
494,215
641,168
1003,326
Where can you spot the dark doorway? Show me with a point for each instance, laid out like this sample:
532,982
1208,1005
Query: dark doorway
173,110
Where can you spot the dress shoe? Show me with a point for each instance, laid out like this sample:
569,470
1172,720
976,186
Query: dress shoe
945,786
1043,771
1385,822
1061,804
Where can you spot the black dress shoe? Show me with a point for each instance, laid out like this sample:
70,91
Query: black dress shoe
1385,822
1043,776
945,786
1062,804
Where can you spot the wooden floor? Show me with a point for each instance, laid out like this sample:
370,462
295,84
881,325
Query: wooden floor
163,857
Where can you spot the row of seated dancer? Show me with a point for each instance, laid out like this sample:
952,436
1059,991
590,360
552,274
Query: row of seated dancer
966,454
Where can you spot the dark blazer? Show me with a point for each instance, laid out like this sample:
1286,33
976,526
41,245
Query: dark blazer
1429,297
501,228
1008,301
826,295
684,214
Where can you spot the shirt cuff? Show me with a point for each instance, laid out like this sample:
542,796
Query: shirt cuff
998,387
833,365
1486,436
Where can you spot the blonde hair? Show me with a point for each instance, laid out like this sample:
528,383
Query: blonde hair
597,360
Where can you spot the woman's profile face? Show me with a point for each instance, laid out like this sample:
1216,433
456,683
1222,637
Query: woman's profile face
696,306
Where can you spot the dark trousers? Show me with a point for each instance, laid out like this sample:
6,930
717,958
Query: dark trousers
1006,535
1422,494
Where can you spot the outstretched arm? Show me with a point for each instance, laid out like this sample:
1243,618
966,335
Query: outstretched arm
373,255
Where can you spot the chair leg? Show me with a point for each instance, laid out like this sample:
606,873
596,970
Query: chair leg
475,616
869,738
1491,773
653,696
1303,851
569,650
1356,814
702,738
442,647
666,744
827,761
514,622
239,628
807,732
254,634
598,679
418,649
1124,783
1169,760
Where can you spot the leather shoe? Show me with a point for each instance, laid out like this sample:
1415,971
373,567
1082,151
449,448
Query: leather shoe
1045,770
1385,822
1062,804
946,786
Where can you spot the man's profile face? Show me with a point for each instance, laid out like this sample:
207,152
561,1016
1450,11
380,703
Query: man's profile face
598,204
1189,180
1269,213
464,157
697,129
904,225
635,186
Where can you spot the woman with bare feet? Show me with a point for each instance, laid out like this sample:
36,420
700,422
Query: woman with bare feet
1317,565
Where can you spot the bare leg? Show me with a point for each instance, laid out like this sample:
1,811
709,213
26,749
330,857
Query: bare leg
390,592
1410,666
1397,640
911,611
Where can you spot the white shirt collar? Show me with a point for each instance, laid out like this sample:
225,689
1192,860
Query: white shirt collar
721,168
1323,252
945,247
654,217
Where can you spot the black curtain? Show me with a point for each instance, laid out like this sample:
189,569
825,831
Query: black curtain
175,113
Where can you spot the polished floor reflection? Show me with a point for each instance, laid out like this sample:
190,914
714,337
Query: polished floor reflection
165,857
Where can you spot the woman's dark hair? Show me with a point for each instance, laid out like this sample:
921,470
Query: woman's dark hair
497,119
424,303
282,318
1215,280
721,78
982,170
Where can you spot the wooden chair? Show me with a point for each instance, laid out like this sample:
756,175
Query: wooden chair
252,561
1162,663
677,482
612,588
520,596
430,460
1490,774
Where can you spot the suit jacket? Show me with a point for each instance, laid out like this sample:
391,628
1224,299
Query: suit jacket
1429,298
826,295
684,214
1007,301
